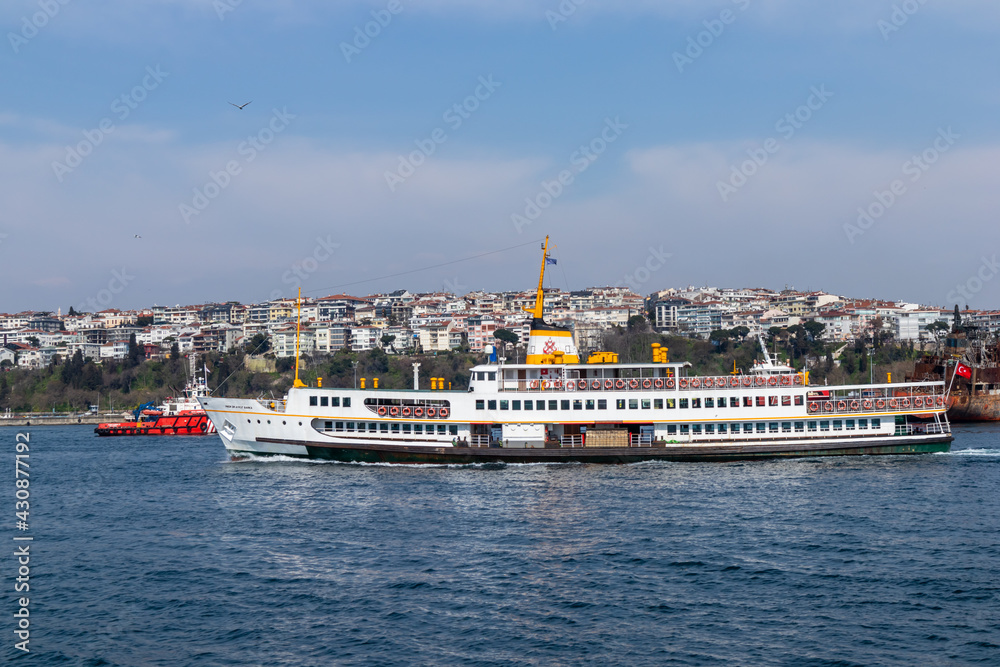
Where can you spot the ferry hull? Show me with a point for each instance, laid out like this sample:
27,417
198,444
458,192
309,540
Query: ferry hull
379,453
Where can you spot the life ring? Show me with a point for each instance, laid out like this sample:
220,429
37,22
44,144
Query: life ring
570,385
684,383
828,406
918,402
773,381
633,384
431,412
893,403
880,403
557,384
841,405
545,384
695,382
785,380
868,404
721,382
855,405
608,384
595,384
747,381
382,410
940,401
418,412
394,411
534,384
797,379
407,411
619,384
444,412
813,406
905,402
734,381
647,383
670,383
204,427
658,383
759,381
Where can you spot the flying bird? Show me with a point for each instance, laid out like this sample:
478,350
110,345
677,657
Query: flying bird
137,236
240,106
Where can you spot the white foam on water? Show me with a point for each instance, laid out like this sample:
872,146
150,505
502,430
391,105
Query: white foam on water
972,452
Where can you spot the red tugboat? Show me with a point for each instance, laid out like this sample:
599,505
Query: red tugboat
177,416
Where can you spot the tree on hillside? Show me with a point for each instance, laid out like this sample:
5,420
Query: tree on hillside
259,344
637,323
135,352
956,321
814,328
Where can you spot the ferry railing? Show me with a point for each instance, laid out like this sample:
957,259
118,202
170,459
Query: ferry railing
920,429
640,439
572,441
479,440
276,406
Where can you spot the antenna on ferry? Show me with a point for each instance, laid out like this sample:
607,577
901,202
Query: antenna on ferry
298,329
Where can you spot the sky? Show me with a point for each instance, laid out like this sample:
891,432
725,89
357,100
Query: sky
850,147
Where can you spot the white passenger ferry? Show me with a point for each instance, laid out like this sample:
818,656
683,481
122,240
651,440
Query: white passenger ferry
556,409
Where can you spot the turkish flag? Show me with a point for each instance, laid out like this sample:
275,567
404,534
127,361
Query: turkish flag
963,370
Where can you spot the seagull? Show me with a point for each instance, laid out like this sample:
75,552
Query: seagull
137,236
240,106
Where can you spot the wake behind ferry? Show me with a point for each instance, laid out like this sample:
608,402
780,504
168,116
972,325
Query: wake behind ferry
553,408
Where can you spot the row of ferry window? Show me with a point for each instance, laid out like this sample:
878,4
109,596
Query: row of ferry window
333,402
644,404
383,427
772,428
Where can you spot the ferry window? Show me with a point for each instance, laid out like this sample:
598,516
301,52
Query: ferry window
695,429
633,404
645,404
504,405
684,403
824,425
515,405
602,404
695,402
748,428
493,405
786,400
800,427
721,402
849,424
773,427
350,426
539,405
481,375
406,429
347,402
590,404
772,401
658,403
340,426
335,402
480,404
761,427
671,404
528,405
684,429
620,403
798,400
578,404
372,427
671,429
734,401
837,425
453,429
564,404
324,401
863,423
553,405
418,429
786,427
734,428
709,429
722,429
761,401
328,426
491,376
383,428
812,426
313,400
442,429
876,423
709,402
747,401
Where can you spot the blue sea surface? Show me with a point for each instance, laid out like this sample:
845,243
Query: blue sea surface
160,551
